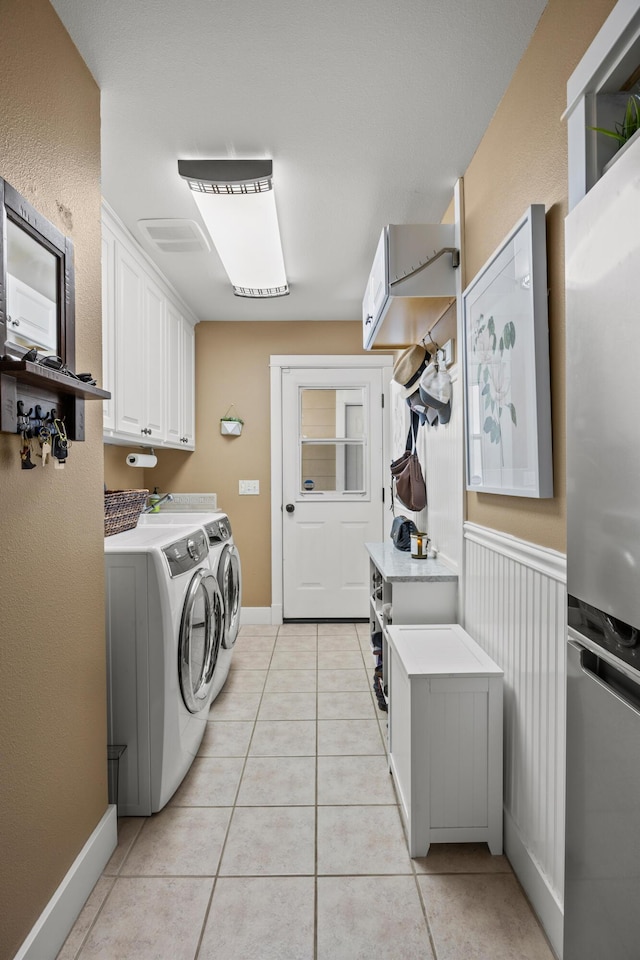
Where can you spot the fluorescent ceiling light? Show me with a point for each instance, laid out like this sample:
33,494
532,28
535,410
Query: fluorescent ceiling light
237,203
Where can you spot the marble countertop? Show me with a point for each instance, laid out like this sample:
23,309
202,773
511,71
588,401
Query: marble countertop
397,565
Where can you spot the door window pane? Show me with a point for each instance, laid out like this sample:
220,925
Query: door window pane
332,467
331,440
326,414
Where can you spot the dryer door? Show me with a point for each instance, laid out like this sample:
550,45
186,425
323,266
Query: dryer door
229,578
201,631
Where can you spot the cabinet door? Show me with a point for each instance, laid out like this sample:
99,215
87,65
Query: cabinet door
130,346
376,292
188,386
155,355
174,379
108,326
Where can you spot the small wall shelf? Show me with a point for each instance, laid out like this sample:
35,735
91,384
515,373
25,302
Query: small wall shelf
34,384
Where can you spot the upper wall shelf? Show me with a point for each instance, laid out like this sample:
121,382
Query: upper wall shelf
36,375
37,318
34,384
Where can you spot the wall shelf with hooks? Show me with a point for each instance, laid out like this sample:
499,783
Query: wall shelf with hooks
31,383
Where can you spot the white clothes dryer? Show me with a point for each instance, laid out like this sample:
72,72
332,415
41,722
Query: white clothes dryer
224,561
165,623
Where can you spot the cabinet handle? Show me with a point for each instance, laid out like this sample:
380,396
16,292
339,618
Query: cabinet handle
368,320
290,508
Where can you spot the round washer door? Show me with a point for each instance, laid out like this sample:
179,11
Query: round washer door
201,631
230,580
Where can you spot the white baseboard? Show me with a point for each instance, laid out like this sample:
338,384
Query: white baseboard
56,920
256,615
535,886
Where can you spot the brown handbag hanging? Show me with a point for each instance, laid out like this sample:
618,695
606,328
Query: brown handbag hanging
407,481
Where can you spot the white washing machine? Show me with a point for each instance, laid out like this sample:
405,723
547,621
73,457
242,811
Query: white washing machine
165,624
224,561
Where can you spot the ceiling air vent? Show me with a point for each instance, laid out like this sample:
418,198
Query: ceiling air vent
174,236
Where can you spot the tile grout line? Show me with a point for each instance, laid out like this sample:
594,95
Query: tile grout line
216,876
315,815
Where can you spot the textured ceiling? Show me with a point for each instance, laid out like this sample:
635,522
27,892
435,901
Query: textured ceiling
370,110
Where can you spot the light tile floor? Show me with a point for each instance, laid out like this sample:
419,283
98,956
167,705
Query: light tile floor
284,842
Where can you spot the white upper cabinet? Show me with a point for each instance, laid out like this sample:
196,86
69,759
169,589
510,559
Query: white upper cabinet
174,374
187,391
129,339
180,380
108,325
154,359
374,295
148,354
411,285
598,92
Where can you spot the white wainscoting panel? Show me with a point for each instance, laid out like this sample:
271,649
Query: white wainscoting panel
515,607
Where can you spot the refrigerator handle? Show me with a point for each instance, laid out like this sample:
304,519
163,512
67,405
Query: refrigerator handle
614,681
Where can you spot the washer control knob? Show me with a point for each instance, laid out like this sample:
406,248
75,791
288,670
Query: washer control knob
192,549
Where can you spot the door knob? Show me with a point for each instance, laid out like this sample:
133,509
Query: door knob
289,508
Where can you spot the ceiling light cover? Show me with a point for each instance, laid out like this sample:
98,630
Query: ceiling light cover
237,203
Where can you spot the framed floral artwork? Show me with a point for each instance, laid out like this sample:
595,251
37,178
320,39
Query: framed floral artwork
506,367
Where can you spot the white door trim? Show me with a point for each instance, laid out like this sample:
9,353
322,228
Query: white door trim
277,364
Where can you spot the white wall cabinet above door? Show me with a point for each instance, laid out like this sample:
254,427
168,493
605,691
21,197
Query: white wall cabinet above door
148,353
411,285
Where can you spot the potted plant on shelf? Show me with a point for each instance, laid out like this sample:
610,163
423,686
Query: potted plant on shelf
627,130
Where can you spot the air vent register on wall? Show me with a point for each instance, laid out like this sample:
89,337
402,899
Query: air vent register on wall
411,285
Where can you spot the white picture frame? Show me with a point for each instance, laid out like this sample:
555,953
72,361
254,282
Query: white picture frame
506,367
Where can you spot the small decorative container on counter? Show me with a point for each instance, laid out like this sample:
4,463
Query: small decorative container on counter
419,545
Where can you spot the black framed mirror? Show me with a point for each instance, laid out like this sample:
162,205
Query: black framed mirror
37,282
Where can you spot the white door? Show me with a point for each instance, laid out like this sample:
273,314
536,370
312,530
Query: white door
332,450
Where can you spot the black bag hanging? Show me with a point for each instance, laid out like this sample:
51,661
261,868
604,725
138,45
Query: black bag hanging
406,474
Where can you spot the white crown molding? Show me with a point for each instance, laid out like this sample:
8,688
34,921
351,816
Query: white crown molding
550,563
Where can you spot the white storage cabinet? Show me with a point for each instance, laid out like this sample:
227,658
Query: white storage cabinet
404,590
445,736
148,348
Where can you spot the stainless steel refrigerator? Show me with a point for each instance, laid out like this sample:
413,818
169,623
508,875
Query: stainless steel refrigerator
602,869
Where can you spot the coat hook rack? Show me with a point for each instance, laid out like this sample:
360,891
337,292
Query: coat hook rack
432,342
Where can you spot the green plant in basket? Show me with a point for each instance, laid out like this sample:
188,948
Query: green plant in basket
630,124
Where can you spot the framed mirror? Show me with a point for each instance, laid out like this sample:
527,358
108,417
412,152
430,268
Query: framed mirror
37,288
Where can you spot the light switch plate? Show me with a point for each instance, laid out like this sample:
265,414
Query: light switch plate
248,487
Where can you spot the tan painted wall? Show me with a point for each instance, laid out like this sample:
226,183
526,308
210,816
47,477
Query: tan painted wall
52,683
521,160
232,366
